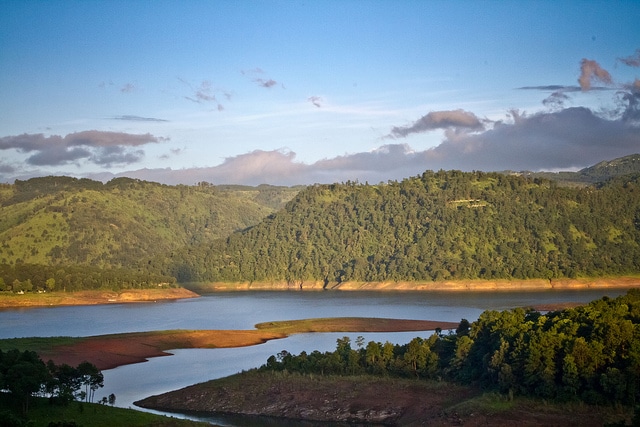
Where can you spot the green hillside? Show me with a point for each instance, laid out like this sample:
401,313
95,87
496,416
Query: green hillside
599,172
611,168
123,223
438,226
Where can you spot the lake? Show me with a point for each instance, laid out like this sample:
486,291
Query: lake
242,310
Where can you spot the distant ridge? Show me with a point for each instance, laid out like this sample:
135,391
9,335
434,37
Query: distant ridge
598,173
611,168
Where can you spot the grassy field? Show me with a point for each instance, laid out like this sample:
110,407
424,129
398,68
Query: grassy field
352,324
37,344
42,413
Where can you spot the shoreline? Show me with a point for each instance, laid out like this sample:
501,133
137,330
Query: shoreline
477,285
194,290
99,297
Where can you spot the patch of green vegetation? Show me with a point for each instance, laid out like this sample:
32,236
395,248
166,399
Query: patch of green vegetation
37,344
289,326
484,183
42,413
615,234
124,223
520,407
489,402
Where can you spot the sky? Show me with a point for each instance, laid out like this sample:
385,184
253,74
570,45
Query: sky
303,92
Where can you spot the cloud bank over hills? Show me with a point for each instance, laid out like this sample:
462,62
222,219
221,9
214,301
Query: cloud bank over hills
555,138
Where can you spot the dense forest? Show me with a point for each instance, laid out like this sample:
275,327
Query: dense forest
445,225
589,353
45,278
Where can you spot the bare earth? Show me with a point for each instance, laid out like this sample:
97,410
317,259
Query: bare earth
371,401
444,286
52,299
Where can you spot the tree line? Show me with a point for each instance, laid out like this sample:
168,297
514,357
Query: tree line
589,353
24,375
445,225
42,278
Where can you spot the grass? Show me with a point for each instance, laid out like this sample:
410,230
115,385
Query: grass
491,403
45,299
304,325
42,413
351,324
498,405
36,344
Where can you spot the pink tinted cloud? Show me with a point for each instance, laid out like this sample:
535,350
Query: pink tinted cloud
458,119
591,70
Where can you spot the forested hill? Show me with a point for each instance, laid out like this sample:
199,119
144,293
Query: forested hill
611,168
437,226
124,223
599,172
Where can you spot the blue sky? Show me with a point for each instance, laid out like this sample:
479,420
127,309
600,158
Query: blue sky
299,92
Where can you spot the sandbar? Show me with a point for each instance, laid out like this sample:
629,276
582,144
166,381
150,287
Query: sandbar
110,351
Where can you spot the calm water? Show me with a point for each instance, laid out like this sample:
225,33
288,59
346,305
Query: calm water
242,310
